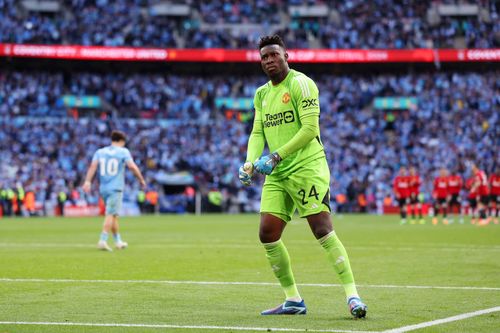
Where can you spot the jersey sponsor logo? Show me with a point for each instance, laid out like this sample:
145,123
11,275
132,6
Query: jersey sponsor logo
278,118
289,117
286,98
309,103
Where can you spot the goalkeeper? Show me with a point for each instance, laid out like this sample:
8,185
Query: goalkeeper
287,119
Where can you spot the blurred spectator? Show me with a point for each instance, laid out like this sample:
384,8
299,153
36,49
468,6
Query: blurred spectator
151,201
349,24
141,200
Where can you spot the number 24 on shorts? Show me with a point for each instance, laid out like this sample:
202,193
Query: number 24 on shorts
312,193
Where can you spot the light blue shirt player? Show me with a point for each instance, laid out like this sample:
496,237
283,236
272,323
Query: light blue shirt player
109,163
111,172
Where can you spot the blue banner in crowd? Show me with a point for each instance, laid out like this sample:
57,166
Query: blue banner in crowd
236,103
395,103
72,101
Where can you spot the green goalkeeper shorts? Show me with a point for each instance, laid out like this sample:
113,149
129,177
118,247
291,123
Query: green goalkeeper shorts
307,189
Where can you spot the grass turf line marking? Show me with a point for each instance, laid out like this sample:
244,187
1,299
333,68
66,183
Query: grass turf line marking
443,321
252,245
142,246
238,283
235,328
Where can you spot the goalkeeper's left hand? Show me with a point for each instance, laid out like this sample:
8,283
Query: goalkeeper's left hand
266,164
245,173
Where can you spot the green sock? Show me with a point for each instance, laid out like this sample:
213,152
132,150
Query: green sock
337,255
279,259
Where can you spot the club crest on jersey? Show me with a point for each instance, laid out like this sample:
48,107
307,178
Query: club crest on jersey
286,98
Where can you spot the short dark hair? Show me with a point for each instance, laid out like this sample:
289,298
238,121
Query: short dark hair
271,40
118,136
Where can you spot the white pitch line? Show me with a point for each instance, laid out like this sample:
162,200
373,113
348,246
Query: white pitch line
204,327
442,321
141,246
253,245
426,287
48,245
239,283
142,281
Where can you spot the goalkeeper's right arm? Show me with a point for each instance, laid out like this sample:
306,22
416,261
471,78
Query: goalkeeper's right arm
256,141
255,147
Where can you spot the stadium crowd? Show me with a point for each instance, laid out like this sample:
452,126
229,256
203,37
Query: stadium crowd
349,24
454,120
401,25
177,97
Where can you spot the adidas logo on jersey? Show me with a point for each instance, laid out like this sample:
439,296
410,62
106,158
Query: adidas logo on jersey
339,260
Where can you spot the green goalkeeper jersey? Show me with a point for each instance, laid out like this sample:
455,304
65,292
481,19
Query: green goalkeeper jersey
287,119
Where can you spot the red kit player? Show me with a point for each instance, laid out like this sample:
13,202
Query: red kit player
401,186
472,198
480,186
455,184
495,195
415,203
440,194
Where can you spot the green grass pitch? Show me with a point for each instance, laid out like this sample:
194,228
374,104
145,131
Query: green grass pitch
209,274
